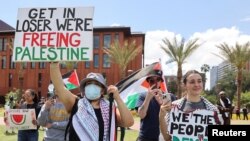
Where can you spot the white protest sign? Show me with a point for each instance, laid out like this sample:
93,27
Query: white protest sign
190,126
21,118
54,34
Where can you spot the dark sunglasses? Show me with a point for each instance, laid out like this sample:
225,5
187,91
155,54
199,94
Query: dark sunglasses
154,80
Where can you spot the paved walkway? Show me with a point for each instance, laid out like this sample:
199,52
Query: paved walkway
1,121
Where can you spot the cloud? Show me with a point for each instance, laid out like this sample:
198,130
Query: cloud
246,19
115,24
203,55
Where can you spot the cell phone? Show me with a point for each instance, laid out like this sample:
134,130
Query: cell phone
166,97
50,95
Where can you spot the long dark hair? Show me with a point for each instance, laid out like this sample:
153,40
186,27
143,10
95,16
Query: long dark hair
33,93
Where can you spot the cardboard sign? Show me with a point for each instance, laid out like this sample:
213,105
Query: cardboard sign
20,119
192,126
54,34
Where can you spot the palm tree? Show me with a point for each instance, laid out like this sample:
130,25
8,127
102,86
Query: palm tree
238,55
205,68
122,54
69,65
179,52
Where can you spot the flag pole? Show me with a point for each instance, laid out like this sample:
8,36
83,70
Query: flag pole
111,99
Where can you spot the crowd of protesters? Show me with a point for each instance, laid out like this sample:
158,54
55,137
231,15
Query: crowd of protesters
91,116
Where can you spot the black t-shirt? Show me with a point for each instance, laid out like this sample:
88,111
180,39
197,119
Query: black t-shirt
98,114
72,133
150,124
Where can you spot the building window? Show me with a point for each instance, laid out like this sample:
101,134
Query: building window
3,62
12,64
107,40
42,65
116,36
75,65
106,61
87,64
3,42
63,65
96,41
33,65
39,79
24,64
10,80
104,75
96,60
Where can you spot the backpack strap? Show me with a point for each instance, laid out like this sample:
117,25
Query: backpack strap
73,111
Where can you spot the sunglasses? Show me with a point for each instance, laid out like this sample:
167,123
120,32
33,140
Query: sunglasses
154,80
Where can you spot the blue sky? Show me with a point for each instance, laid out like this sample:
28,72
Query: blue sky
180,16
213,21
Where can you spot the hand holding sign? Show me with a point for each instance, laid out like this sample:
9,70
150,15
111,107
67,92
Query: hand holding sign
190,126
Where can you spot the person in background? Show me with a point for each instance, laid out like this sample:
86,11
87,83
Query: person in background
149,107
31,102
10,104
224,105
231,111
245,112
237,111
42,101
89,116
191,101
54,117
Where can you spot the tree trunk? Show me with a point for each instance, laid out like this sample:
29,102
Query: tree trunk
20,78
179,77
123,72
239,87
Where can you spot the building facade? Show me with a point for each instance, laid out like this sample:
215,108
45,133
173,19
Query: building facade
218,72
213,76
36,75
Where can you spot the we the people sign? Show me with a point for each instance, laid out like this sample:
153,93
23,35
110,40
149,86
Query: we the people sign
190,126
54,34
21,119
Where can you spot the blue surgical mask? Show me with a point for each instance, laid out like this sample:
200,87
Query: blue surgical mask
92,92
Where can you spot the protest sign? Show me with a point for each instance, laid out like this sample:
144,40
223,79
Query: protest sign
21,119
191,126
54,34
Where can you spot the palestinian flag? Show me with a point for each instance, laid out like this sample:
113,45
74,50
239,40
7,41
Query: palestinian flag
135,84
71,80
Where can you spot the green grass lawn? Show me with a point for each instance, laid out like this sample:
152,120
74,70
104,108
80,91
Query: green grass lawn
130,135
1,112
13,137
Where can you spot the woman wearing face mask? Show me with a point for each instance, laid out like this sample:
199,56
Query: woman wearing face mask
90,115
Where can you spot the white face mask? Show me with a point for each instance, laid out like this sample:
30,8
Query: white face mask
92,92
